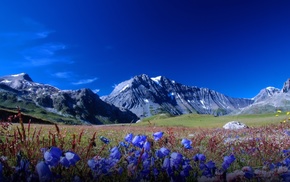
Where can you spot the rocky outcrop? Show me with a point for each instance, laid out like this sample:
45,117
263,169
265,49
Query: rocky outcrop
266,93
234,125
286,86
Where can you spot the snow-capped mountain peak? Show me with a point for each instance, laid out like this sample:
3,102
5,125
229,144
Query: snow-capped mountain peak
148,96
20,76
156,79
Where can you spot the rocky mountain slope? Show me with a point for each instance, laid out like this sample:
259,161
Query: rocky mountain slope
269,100
147,96
81,105
138,97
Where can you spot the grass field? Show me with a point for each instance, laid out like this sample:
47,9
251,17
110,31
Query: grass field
161,148
209,121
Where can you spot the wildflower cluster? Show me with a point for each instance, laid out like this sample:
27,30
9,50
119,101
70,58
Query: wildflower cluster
284,120
99,155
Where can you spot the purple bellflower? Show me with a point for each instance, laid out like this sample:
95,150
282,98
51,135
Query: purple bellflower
43,172
52,156
115,153
158,135
147,146
199,157
186,143
176,159
105,140
162,152
1,172
139,140
69,159
228,160
129,137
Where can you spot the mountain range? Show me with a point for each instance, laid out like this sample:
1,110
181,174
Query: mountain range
69,106
147,96
133,99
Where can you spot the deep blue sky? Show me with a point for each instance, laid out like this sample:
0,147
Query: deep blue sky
236,47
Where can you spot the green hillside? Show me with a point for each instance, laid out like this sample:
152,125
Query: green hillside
209,121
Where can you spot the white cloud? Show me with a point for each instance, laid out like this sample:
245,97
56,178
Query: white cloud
85,81
25,43
43,55
28,30
63,74
96,91
45,50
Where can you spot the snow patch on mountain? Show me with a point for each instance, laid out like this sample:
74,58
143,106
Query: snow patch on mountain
156,79
17,75
124,88
6,81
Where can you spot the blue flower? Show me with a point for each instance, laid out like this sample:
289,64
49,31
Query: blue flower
157,135
22,167
146,164
147,146
69,159
52,156
166,163
166,166
248,172
139,140
228,160
186,167
120,170
115,153
132,160
129,137
93,164
286,152
207,169
43,171
105,140
186,143
175,159
199,157
124,144
136,140
101,166
286,162
145,156
285,176
162,152
155,172
287,132
1,172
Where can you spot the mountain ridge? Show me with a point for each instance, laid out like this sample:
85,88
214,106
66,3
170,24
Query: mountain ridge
269,99
138,97
147,96
82,105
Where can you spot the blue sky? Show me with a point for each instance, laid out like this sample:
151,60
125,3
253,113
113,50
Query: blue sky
233,47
